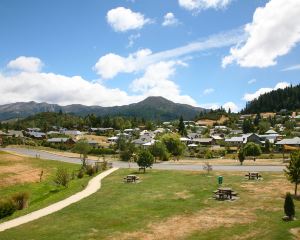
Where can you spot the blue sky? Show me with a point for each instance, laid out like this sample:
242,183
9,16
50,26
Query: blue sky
207,53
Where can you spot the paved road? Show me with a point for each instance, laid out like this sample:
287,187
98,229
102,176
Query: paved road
162,166
93,186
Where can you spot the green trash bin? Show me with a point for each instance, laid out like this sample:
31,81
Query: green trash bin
220,179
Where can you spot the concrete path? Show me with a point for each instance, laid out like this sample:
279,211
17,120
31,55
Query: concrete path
161,166
93,186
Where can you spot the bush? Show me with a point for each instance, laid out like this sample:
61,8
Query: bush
7,207
100,151
208,154
62,177
289,207
90,170
20,200
80,174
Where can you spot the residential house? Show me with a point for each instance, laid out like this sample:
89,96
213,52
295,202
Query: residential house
67,141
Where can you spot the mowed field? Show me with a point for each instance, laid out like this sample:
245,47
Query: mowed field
22,174
171,205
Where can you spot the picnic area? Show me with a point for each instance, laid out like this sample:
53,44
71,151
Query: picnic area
171,204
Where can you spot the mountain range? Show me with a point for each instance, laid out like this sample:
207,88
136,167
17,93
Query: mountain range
152,108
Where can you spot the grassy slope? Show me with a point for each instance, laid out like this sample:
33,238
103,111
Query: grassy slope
44,193
119,208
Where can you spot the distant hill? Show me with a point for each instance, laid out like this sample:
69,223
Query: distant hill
288,98
152,108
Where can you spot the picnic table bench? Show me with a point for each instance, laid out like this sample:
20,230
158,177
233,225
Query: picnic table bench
253,175
224,193
131,178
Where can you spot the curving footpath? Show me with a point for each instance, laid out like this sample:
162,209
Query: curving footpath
93,186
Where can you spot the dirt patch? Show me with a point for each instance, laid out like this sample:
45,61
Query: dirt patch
17,169
296,233
18,173
184,194
272,188
181,226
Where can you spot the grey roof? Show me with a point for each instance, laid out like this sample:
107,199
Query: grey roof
37,134
57,140
289,141
202,140
15,133
271,132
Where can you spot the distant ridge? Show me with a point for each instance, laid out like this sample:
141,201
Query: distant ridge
152,108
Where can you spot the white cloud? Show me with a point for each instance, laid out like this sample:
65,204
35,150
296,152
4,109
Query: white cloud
197,5
232,106
132,38
208,91
123,19
291,68
252,96
111,64
156,82
27,64
251,81
170,20
54,88
273,32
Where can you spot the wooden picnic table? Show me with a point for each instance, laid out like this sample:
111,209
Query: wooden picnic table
131,178
223,193
253,175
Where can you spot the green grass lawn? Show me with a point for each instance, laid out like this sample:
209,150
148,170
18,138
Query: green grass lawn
42,193
170,205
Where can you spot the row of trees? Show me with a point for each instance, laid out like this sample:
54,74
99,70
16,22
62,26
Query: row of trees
46,120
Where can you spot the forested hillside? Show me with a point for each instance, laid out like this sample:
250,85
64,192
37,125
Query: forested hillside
288,98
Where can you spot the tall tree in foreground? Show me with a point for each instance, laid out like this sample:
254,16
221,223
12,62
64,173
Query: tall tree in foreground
292,171
145,159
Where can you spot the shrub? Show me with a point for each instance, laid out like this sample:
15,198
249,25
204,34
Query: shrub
289,207
208,154
62,177
7,208
100,151
90,170
20,200
80,174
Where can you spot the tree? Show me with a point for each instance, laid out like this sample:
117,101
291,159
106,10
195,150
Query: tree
159,151
267,146
252,149
181,127
241,155
292,171
263,126
248,126
174,145
145,159
83,148
62,177
127,152
257,119
289,207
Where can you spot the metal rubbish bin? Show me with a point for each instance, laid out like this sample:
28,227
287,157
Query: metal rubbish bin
220,179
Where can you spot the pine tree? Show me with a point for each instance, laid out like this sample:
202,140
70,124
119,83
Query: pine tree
289,207
181,127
